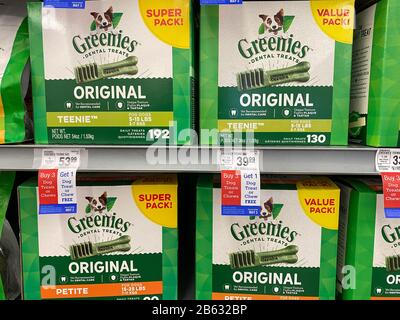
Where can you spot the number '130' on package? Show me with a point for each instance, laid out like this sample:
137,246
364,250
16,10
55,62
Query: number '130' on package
280,69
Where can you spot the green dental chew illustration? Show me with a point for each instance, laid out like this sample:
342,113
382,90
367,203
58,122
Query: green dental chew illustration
392,263
89,249
250,258
93,71
259,78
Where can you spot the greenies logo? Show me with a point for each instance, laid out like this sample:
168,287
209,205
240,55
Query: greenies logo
275,23
267,224
104,36
100,204
391,234
273,36
269,210
98,214
107,21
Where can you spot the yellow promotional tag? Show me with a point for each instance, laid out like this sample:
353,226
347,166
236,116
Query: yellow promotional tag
335,18
157,201
168,20
320,200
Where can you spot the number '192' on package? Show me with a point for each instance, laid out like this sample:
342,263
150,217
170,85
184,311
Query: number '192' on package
116,72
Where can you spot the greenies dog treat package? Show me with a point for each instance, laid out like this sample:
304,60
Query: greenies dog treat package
15,124
280,69
116,72
375,97
121,244
287,252
10,269
369,243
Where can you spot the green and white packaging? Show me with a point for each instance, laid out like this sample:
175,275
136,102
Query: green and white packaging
245,85
366,239
129,81
375,98
299,218
69,256
15,124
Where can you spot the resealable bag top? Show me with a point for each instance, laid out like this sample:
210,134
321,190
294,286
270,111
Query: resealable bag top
15,122
116,72
280,69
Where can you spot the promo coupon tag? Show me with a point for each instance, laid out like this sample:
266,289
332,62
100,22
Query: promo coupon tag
240,183
57,181
388,164
65,4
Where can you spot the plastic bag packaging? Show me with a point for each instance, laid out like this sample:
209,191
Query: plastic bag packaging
10,264
15,108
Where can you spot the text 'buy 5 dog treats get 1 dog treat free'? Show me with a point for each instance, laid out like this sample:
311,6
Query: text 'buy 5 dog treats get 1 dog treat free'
280,69
122,244
15,125
287,252
116,72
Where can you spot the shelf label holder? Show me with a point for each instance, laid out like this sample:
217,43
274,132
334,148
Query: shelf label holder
240,182
57,179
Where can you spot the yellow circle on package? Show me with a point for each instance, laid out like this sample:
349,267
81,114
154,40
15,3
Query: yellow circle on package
158,203
335,18
320,200
168,20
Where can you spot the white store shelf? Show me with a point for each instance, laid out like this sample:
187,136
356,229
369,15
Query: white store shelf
350,160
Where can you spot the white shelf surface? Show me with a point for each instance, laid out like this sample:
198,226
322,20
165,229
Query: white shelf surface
352,160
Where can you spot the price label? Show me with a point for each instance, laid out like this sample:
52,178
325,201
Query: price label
388,165
65,4
388,160
57,181
240,183
60,158
239,160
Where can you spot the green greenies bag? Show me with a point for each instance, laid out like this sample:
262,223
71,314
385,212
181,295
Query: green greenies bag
10,282
14,72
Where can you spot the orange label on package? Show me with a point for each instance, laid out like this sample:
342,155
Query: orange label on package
320,200
335,18
231,296
101,290
168,20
